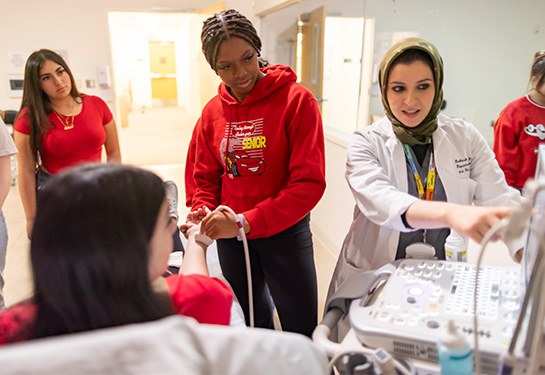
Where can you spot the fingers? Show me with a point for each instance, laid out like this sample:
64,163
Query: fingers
211,223
189,228
219,224
196,216
488,219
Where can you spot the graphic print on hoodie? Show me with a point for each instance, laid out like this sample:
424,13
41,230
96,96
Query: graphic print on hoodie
242,148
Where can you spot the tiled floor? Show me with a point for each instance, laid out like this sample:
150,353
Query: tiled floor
156,139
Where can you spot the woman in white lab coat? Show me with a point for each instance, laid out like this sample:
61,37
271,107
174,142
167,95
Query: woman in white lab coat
386,159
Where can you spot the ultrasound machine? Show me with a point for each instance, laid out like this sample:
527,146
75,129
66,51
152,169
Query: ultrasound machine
397,313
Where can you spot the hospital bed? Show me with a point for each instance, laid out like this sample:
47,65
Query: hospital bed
172,345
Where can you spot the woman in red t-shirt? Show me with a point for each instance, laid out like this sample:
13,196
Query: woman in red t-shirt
102,235
520,129
57,126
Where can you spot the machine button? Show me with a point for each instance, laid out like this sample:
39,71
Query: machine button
384,315
433,324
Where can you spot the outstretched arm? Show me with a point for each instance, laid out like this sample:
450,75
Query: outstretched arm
473,221
194,261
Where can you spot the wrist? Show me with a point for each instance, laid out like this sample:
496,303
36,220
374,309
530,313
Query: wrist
202,239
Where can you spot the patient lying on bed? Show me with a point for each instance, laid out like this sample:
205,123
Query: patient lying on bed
101,236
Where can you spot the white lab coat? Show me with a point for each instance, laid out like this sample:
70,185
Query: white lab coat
377,175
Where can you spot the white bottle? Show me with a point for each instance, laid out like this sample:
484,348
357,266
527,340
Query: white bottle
455,354
455,248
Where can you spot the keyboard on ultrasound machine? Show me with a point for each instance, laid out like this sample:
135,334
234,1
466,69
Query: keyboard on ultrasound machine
421,296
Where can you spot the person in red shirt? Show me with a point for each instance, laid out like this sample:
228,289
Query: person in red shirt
57,126
258,148
521,128
101,236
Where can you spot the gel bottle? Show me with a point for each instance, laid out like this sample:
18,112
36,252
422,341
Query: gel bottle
455,354
455,248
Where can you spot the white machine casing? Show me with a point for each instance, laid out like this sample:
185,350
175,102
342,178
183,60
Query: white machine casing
421,296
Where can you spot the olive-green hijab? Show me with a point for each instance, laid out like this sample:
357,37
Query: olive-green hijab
420,134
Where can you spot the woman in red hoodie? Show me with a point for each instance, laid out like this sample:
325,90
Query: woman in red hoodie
258,148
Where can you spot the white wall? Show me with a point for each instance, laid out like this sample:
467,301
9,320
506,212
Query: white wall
332,217
487,48
80,28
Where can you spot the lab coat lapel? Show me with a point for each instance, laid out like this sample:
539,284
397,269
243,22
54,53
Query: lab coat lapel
397,156
443,155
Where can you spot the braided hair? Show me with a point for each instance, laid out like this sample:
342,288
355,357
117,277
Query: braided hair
538,68
223,26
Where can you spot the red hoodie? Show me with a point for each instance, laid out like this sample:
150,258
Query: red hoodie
273,168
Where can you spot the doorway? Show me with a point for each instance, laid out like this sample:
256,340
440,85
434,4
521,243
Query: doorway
334,57
133,38
161,83
164,90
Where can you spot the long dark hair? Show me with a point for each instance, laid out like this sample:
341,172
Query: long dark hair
90,250
538,68
223,26
36,100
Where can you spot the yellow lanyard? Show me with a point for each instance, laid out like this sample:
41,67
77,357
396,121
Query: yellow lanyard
430,186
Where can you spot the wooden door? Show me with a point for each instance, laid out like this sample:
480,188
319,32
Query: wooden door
311,29
163,70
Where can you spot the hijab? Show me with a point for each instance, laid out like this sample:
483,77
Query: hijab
420,134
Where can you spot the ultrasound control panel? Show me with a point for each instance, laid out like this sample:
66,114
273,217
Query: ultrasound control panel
413,308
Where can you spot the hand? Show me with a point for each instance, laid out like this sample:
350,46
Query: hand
518,255
194,218
476,221
219,224
192,229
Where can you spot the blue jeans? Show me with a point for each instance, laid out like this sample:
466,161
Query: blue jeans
3,251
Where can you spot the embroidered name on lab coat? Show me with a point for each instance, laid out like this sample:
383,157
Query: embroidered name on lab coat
463,165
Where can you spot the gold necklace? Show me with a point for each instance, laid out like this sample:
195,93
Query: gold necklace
67,126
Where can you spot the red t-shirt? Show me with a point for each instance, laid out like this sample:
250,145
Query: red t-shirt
83,143
206,299
517,135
